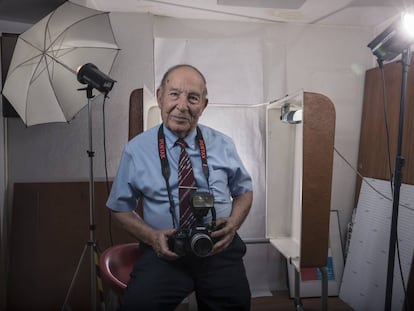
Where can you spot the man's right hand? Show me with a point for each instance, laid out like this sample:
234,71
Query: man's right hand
160,245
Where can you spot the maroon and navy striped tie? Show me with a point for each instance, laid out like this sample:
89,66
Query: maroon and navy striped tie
186,184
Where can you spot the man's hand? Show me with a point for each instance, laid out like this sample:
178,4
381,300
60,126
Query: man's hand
136,226
160,246
229,226
224,235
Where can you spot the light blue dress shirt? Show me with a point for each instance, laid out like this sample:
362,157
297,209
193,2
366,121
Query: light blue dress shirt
139,175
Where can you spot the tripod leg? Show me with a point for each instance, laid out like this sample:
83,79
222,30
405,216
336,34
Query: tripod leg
92,275
74,277
98,277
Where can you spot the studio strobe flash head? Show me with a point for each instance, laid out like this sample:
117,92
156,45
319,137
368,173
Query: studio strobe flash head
90,74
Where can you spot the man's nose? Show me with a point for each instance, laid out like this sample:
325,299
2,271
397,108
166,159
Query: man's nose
182,103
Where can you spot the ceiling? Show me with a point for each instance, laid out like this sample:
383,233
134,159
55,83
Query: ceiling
326,12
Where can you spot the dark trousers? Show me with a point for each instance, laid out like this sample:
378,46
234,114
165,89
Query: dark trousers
219,281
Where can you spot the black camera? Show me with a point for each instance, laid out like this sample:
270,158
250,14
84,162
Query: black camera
197,239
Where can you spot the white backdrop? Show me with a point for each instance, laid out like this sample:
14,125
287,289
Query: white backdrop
246,125
232,66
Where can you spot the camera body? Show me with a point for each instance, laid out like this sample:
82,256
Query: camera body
196,240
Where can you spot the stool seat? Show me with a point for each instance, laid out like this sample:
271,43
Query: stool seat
116,264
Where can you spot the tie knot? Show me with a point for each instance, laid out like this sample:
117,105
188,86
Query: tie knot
181,142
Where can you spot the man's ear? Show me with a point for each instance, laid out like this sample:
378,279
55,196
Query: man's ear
159,97
206,100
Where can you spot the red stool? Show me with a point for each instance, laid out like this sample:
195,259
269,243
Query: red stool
116,264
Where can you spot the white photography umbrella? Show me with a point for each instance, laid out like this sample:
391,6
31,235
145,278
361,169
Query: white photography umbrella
41,83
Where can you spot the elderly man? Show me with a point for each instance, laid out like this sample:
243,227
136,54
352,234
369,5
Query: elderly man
196,194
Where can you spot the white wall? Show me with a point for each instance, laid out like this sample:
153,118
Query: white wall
328,60
13,27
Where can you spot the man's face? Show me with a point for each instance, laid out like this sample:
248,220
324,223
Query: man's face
181,100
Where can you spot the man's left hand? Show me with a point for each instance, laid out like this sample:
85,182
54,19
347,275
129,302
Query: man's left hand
224,235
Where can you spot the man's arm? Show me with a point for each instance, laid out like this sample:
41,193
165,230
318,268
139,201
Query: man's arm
136,226
240,209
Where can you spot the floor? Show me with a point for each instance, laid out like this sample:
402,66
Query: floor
281,301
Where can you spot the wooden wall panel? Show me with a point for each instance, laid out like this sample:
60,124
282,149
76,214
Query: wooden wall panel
136,124
373,157
318,147
50,228
136,108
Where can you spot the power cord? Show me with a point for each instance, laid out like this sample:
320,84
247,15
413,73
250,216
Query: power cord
106,170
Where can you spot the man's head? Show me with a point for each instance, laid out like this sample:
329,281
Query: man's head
182,98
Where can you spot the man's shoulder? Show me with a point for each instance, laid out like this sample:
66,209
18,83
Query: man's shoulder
144,138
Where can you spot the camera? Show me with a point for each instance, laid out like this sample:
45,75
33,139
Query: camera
197,239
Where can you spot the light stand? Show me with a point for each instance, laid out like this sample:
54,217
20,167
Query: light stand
393,41
89,74
399,163
91,244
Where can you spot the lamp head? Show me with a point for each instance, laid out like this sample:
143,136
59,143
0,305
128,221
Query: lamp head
290,116
394,39
90,74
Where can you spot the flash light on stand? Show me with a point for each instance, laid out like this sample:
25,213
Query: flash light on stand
394,39
90,74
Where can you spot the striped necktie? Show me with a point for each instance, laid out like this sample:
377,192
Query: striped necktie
186,184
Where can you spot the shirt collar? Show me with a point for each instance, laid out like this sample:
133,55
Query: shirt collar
171,138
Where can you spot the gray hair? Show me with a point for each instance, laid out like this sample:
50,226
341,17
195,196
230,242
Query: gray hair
171,69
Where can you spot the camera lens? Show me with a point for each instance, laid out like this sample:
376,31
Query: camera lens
201,244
